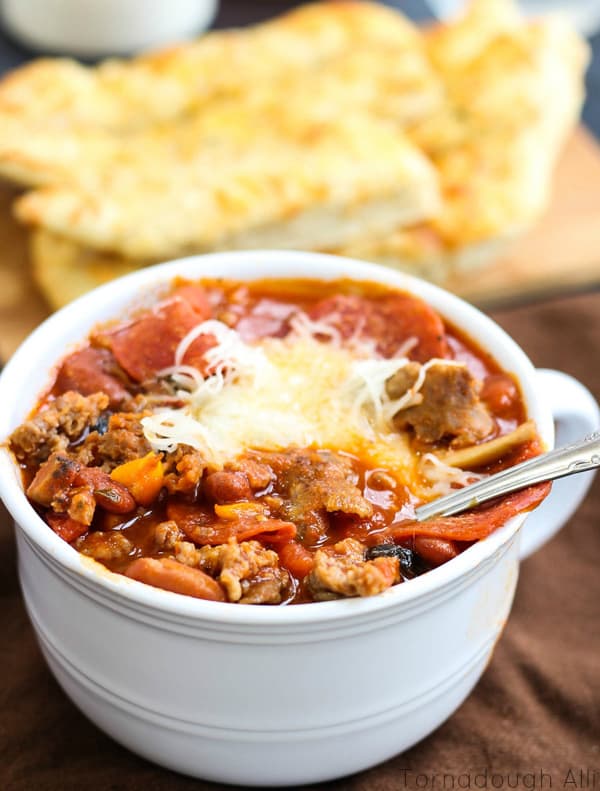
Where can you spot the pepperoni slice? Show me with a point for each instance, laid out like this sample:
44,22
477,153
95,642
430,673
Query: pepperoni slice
148,345
90,371
227,487
435,551
475,524
391,321
203,527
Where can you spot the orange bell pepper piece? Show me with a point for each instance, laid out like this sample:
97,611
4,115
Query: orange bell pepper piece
143,477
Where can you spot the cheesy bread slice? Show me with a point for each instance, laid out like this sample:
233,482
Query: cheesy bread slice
165,194
514,91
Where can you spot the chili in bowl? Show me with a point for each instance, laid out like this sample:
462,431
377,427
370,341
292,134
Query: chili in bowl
207,449
259,442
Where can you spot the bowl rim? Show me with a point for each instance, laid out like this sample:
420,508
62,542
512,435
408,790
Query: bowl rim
74,322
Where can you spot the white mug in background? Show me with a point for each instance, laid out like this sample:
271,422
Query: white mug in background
583,14
94,28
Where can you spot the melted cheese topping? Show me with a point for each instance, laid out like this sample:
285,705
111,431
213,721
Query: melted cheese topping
291,392
277,394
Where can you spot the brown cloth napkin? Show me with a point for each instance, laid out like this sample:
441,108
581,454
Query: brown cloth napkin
533,721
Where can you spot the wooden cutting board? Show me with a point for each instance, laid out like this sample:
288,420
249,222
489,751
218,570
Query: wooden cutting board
562,254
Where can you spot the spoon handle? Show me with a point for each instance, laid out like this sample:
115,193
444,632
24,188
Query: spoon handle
578,457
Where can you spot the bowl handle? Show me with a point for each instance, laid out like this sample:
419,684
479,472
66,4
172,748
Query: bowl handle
576,413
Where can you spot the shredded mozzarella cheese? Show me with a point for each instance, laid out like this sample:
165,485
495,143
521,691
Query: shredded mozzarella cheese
444,478
185,376
229,351
302,326
408,345
367,392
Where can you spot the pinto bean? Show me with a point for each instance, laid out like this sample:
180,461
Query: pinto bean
170,575
435,551
227,487
109,494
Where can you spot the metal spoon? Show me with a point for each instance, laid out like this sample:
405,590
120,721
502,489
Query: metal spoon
578,457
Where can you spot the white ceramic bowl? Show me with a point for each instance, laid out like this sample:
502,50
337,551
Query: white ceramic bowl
261,695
